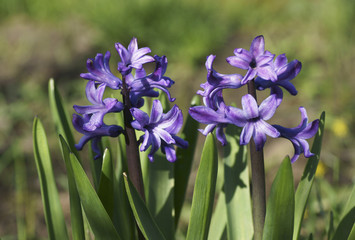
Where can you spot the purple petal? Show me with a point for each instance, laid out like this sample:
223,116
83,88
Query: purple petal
180,142
262,126
133,45
259,139
170,153
249,75
164,135
263,60
247,133
280,61
220,135
156,112
140,116
238,62
206,115
146,141
250,107
257,46
236,116
268,107
267,72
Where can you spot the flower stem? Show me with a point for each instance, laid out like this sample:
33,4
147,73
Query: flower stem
133,160
258,181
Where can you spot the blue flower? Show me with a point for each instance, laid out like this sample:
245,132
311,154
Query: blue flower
132,57
143,85
95,136
99,71
215,118
99,108
216,82
285,73
299,134
257,61
159,130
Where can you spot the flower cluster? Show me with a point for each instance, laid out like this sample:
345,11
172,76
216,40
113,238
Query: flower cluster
264,71
160,129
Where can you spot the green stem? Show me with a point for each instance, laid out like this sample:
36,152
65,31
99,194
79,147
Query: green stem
258,181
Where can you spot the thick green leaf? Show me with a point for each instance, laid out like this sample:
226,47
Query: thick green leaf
305,185
236,187
52,209
352,234
345,226
281,204
95,212
184,161
123,218
145,220
76,214
347,222
105,190
60,116
160,200
218,225
203,197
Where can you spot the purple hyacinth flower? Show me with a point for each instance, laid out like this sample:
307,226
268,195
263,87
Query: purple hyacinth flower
95,136
299,134
141,85
216,82
132,57
159,130
99,108
215,119
285,73
253,119
99,71
257,61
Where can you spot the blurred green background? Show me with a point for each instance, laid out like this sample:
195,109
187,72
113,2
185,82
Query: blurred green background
41,39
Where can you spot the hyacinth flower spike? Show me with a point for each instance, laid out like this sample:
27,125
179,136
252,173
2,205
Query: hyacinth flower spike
257,61
299,134
99,71
159,130
99,108
132,57
95,136
285,73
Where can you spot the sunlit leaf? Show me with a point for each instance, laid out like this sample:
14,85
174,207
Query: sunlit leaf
99,220
60,116
145,220
76,215
105,190
184,161
236,187
52,209
347,223
203,196
218,226
281,204
305,185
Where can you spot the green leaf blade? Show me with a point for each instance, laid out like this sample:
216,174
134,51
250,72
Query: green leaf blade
280,207
236,187
59,115
76,215
203,197
52,209
105,191
144,219
184,161
305,185
96,214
